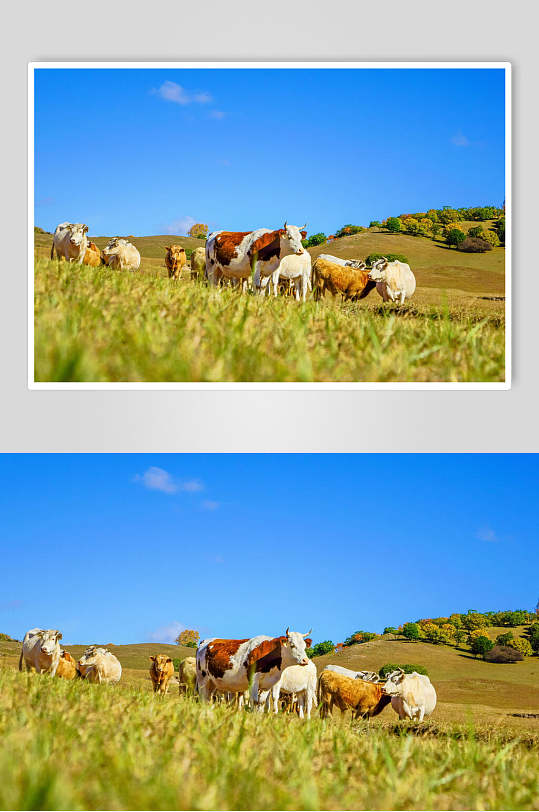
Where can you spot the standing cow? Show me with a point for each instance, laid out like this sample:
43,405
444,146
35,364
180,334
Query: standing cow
299,682
175,259
395,281
187,676
255,664
41,651
70,242
161,670
237,254
412,695
294,269
198,263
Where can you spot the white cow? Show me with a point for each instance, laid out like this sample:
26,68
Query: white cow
119,253
70,242
99,665
300,681
296,268
254,664
368,676
232,254
394,280
412,695
352,263
41,650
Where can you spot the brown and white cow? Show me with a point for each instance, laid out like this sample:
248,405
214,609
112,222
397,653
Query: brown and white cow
253,664
238,254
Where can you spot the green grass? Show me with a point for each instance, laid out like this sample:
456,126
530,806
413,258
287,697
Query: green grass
81,746
99,325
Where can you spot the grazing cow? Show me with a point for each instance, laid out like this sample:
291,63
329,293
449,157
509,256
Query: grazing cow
394,280
161,670
255,664
369,676
175,259
120,253
237,254
412,695
67,667
350,282
41,651
351,263
70,242
299,683
364,699
93,255
99,665
294,269
187,675
198,263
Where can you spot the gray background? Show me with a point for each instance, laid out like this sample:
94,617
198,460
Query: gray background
269,420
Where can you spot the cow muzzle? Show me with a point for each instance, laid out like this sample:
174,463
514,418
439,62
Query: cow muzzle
300,251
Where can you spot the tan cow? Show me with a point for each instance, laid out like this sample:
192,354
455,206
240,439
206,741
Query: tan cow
92,256
350,282
67,667
99,665
70,242
187,675
198,263
175,259
161,670
121,254
364,699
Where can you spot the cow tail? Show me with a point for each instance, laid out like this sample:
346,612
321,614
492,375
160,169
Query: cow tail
52,251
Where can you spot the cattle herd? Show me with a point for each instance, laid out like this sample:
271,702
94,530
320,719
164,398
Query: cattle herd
267,673
264,260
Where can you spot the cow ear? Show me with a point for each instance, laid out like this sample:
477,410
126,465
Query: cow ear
169,659
265,240
59,635
85,229
303,235
152,658
308,642
167,247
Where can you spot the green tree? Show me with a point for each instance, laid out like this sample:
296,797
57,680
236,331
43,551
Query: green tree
533,634
375,224
504,639
455,236
475,231
326,647
481,645
448,215
189,637
522,645
411,631
315,239
435,230
393,225
408,668
499,227
390,630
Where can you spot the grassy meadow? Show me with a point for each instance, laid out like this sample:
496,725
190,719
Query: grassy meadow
82,746
98,325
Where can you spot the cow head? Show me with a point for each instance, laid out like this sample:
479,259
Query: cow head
394,682
293,648
376,272
90,655
77,234
50,639
291,237
175,252
160,662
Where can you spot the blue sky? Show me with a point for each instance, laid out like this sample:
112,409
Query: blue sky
150,151
131,548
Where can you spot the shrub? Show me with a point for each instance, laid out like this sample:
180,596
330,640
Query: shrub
454,236
504,639
407,668
435,230
390,630
6,638
503,654
359,637
448,215
315,239
176,662
474,620
38,230
326,647
391,257
375,224
491,238
475,231
499,227
348,229
533,634
474,245
481,644
411,631
393,224
522,645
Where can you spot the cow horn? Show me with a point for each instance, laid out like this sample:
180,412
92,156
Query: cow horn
287,630
303,227
308,633
285,224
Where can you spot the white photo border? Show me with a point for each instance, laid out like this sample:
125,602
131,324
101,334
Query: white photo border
226,65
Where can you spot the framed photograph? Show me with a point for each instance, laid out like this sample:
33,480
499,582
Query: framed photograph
269,225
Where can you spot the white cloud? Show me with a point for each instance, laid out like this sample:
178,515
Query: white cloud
460,140
172,92
209,504
486,534
167,634
218,114
181,225
157,479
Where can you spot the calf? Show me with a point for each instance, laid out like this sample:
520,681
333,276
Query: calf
41,651
67,667
412,695
364,699
395,281
93,255
350,282
175,259
161,670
